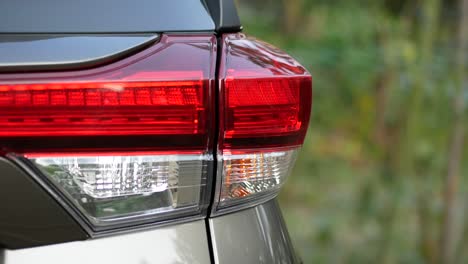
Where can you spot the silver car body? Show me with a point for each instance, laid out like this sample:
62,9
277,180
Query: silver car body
255,235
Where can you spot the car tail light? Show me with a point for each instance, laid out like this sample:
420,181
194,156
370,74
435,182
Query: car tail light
265,100
125,143
133,142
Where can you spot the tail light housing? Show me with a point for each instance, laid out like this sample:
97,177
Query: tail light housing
265,100
135,142
125,144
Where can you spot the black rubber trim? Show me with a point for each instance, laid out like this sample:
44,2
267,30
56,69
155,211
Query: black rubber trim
224,15
214,168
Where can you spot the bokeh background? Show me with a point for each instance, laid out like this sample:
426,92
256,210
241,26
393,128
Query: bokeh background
382,175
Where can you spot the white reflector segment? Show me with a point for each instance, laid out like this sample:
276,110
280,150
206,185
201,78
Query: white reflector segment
246,176
109,188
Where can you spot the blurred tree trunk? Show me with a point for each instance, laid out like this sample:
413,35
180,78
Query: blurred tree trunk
462,245
456,146
415,161
387,138
381,132
291,16
400,143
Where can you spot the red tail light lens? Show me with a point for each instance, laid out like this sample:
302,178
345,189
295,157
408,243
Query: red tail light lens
108,108
265,103
156,99
263,112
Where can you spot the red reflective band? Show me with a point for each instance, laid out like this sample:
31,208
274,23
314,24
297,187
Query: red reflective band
265,106
33,155
266,96
102,108
153,100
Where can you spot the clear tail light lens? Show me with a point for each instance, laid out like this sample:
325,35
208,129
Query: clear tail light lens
249,175
110,188
265,101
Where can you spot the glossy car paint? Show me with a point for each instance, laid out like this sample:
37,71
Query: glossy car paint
28,215
184,243
104,16
67,51
256,235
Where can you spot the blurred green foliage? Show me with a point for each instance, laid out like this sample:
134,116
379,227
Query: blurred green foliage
368,186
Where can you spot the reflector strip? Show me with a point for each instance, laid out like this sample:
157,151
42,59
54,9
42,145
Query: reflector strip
264,106
102,109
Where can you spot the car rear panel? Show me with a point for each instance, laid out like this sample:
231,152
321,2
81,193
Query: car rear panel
61,38
255,235
29,216
54,52
183,243
105,16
